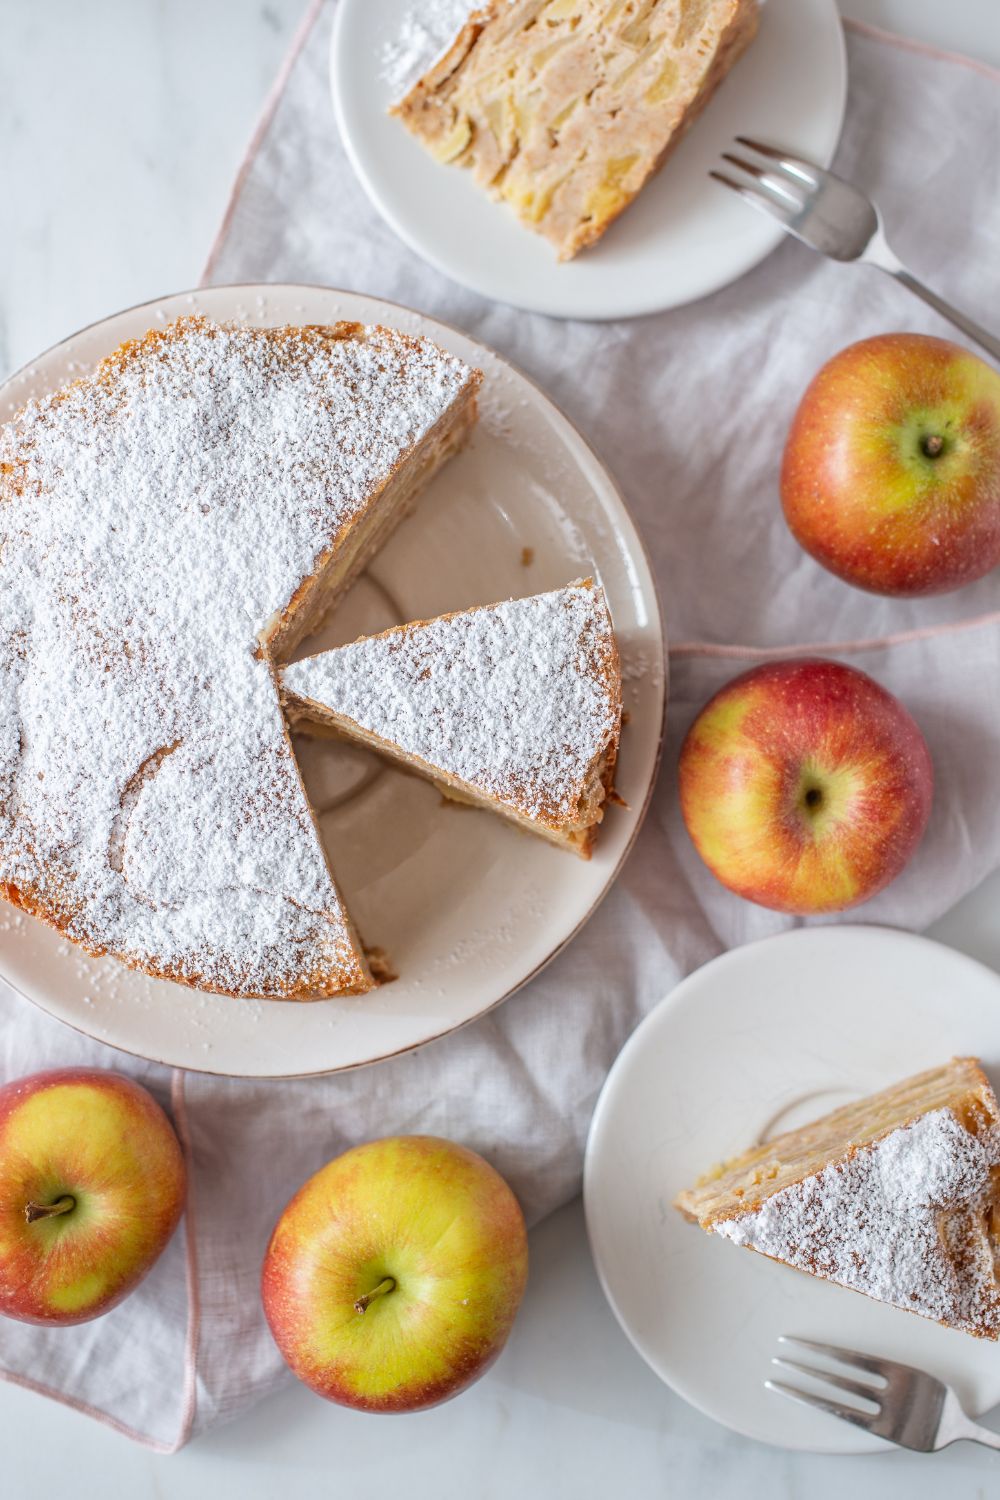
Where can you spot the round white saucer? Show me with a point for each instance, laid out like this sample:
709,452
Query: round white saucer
762,1040
685,236
466,907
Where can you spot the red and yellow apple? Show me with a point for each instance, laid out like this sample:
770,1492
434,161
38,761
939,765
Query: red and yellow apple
92,1184
392,1278
891,473
805,786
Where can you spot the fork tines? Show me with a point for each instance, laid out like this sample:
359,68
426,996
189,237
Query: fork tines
779,183
871,1394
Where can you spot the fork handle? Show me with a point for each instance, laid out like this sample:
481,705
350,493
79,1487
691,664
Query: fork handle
956,1426
970,328
971,1432
880,255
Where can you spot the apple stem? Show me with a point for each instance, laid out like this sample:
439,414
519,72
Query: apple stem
387,1285
33,1211
932,445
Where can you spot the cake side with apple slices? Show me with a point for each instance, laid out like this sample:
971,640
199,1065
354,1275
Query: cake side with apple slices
565,108
896,1196
514,707
170,526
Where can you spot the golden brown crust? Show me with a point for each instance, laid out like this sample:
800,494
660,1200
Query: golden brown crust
323,986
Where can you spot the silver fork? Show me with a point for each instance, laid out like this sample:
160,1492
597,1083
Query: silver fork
831,216
904,1405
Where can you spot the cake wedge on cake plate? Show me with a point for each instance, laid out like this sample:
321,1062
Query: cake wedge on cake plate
515,707
463,912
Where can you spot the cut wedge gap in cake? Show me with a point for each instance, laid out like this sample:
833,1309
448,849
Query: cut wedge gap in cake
896,1196
513,707
358,541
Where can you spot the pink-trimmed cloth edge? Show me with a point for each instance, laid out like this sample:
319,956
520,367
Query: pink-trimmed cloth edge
839,648
156,1445
863,28
684,648
260,130
922,49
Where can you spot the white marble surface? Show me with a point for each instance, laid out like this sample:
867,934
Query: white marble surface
122,123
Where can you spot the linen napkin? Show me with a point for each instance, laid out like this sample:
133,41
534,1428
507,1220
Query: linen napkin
689,409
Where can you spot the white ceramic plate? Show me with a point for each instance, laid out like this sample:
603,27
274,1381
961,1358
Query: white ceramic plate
762,1040
466,906
684,237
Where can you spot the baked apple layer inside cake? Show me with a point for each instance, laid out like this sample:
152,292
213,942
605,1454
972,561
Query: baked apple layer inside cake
565,108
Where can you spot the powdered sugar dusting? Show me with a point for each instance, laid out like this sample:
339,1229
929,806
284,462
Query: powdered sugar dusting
900,1220
426,32
155,519
516,699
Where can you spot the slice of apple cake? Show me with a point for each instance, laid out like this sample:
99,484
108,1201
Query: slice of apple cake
896,1196
564,108
515,707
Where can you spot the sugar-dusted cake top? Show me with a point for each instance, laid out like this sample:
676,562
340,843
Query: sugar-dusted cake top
518,700
900,1219
156,520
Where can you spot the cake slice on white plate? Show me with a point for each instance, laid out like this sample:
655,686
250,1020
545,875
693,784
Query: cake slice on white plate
515,707
896,1196
565,108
